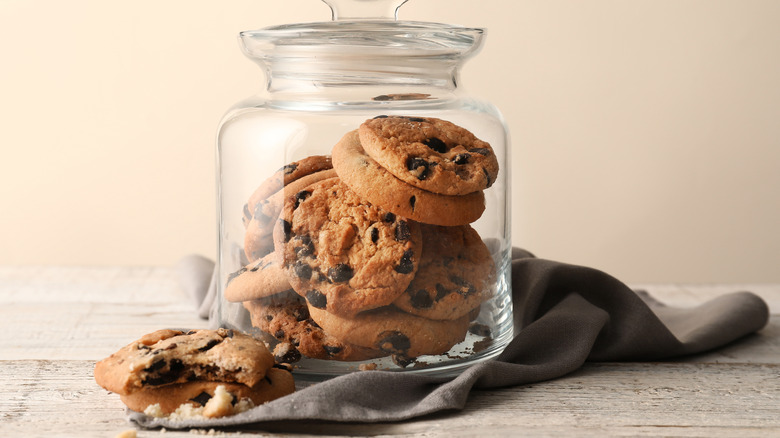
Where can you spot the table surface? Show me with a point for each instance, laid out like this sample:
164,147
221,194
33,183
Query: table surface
62,319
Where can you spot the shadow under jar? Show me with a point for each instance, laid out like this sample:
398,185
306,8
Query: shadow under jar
363,199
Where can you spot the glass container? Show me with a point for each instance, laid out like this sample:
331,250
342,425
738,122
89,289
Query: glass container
311,263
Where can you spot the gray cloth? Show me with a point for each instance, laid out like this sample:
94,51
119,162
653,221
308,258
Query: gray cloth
566,314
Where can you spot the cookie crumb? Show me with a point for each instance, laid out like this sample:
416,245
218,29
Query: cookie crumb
285,352
482,345
129,433
154,411
403,361
367,366
219,405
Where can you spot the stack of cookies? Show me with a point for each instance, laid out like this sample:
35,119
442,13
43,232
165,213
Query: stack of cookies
369,253
211,373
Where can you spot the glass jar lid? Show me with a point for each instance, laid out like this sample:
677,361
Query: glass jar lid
363,28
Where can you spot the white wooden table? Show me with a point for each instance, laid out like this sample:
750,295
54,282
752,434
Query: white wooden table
57,321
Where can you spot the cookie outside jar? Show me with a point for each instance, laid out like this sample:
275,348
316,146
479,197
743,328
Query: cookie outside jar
364,199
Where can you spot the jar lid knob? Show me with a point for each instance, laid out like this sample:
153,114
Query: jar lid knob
364,9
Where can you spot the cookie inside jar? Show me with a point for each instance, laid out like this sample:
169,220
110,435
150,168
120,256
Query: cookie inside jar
345,262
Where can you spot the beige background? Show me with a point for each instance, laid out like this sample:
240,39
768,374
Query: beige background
646,132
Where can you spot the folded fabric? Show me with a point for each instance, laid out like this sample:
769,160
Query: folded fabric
565,315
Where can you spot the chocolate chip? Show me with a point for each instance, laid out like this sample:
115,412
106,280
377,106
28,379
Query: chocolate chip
389,218
290,168
415,119
286,229
317,299
405,265
301,313
284,366
286,353
307,246
461,158
174,370
403,361
380,117
393,342
436,144
235,274
441,291
201,398
340,273
479,329
402,232
374,234
487,176
417,167
302,270
211,344
279,334
229,333
269,318
300,197
481,151
156,366
412,201
464,287
421,299
332,351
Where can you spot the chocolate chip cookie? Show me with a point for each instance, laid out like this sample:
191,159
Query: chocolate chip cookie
454,277
285,176
276,383
374,183
286,318
393,331
342,253
172,356
430,153
262,209
261,278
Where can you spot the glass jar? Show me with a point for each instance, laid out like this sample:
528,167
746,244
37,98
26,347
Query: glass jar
324,248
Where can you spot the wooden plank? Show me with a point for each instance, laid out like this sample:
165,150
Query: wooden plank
760,348
691,295
60,398
87,313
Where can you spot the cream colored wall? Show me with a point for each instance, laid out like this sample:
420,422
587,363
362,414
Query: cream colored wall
646,133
